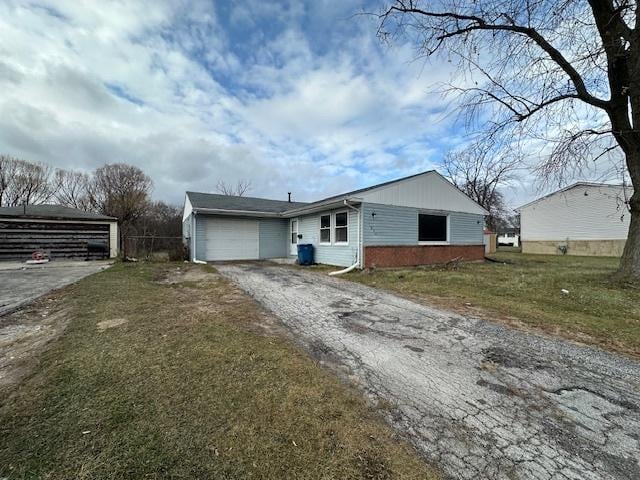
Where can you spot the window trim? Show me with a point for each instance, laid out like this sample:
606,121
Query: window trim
330,228
335,242
434,242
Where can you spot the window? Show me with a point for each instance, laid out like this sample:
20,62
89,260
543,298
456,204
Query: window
294,231
432,228
341,233
325,228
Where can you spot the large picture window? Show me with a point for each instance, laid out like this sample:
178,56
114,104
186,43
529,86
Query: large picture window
341,230
432,228
325,228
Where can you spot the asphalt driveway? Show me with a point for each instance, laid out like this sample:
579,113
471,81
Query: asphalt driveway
479,399
21,283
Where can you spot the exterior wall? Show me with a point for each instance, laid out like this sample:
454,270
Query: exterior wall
340,255
186,211
429,190
113,240
600,248
20,237
584,212
411,255
186,228
273,237
393,225
200,244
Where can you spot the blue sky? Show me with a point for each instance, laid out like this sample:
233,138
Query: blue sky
294,96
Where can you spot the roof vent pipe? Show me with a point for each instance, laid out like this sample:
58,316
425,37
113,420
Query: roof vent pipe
289,197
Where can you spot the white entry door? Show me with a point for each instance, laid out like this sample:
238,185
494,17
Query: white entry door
231,239
293,240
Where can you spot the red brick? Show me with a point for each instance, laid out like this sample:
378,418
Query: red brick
410,255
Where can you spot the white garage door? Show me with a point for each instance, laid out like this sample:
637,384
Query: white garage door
231,239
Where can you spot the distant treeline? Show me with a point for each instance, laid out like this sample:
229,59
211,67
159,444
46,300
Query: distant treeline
118,190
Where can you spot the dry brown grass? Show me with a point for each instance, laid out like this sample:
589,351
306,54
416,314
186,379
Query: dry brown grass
526,291
196,383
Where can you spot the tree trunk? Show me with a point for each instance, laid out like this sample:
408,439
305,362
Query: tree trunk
630,261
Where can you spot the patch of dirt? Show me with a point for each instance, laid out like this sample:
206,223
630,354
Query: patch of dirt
207,292
115,322
24,334
185,275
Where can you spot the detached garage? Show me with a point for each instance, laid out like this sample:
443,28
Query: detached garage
60,232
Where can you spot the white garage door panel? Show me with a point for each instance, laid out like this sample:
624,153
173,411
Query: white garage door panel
231,239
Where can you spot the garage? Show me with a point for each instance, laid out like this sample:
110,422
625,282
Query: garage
54,231
231,239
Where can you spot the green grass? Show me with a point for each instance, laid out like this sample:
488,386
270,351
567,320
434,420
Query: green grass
527,290
191,386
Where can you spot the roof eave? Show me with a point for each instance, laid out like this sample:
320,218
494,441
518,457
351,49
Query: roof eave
49,217
335,203
241,213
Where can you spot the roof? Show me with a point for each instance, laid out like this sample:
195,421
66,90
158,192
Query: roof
572,186
214,201
55,212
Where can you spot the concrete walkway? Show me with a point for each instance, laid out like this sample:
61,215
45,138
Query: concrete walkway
21,283
479,399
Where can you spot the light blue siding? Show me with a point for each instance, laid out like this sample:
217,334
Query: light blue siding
273,237
392,225
341,255
466,229
200,240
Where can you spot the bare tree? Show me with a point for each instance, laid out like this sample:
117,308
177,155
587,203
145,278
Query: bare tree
71,189
479,170
8,166
565,73
237,190
23,182
122,191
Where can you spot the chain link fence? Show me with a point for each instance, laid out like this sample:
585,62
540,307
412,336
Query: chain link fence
151,247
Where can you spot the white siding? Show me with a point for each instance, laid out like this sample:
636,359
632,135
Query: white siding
187,208
584,212
113,240
429,191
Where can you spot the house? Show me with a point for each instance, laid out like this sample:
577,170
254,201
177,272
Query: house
61,232
582,219
420,219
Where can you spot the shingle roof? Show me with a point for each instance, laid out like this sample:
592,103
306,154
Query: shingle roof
50,212
245,204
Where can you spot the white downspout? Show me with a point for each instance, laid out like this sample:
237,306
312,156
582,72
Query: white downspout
357,264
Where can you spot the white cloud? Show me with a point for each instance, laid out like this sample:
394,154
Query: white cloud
165,86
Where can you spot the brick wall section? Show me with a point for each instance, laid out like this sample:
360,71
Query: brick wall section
410,255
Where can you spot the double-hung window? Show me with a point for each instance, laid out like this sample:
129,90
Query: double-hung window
432,228
341,229
325,228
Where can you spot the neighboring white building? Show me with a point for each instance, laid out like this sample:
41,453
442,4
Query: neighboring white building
582,219
511,239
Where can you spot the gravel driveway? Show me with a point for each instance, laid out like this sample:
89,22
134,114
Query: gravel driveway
479,399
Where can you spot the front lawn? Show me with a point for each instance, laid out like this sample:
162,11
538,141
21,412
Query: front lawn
168,371
528,290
